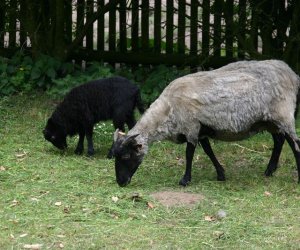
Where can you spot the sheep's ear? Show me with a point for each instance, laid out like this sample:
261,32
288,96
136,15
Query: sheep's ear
118,134
129,140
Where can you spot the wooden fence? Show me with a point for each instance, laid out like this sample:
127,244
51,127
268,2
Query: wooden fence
182,32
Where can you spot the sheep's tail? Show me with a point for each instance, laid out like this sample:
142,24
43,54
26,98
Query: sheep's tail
298,99
139,103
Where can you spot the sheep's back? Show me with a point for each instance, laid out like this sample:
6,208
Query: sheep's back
233,99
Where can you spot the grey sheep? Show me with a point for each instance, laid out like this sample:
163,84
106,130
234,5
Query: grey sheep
231,103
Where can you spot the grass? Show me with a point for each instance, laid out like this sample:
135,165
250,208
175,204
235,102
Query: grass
61,200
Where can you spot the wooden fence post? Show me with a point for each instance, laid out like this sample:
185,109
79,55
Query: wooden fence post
169,27
157,26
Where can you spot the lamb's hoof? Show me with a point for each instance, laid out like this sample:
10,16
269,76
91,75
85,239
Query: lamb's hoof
268,173
221,178
184,182
78,151
109,155
90,153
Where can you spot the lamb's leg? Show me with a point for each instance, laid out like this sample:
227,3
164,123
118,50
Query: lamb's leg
295,145
80,146
208,150
189,154
89,137
278,140
130,121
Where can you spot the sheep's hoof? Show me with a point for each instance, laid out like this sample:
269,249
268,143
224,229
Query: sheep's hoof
109,155
90,153
184,182
221,178
78,151
268,173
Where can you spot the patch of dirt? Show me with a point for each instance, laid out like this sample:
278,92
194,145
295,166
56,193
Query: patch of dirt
175,199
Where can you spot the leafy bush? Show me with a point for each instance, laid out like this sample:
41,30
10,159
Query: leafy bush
22,74
61,86
156,80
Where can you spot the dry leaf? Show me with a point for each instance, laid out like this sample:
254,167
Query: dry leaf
2,168
150,205
34,199
267,193
136,197
11,236
209,218
58,203
218,234
33,246
14,203
114,198
23,235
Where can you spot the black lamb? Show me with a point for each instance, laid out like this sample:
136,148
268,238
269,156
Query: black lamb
85,105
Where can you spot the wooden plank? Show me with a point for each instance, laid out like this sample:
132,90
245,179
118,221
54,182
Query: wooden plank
2,23
12,17
90,31
169,27
217,27
23,37
229,28
135,26
157,26
181,26
242,29
145,25
205,28
123,26
147,58
100,27
194,28
80,16
254,27
68,20
112,28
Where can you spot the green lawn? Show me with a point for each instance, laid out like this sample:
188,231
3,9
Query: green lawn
61,200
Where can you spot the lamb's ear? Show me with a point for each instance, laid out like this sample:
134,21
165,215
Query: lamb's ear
118,134
129,140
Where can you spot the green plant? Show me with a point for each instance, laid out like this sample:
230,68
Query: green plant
21,73
61,86
153,81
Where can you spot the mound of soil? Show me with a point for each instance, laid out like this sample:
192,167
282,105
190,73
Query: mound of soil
172,198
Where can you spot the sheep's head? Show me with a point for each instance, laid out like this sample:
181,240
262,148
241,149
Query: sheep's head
55,134
128,157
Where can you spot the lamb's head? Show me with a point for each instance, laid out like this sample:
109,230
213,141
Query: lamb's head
128,155
55,134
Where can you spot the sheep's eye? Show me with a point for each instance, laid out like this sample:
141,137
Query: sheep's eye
125,157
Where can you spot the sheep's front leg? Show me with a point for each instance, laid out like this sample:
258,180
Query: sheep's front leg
208,150
189,154
273,163
89,137
79,148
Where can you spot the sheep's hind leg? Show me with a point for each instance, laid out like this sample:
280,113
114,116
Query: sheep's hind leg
189,154
80,146
208,150
295,145
278,140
